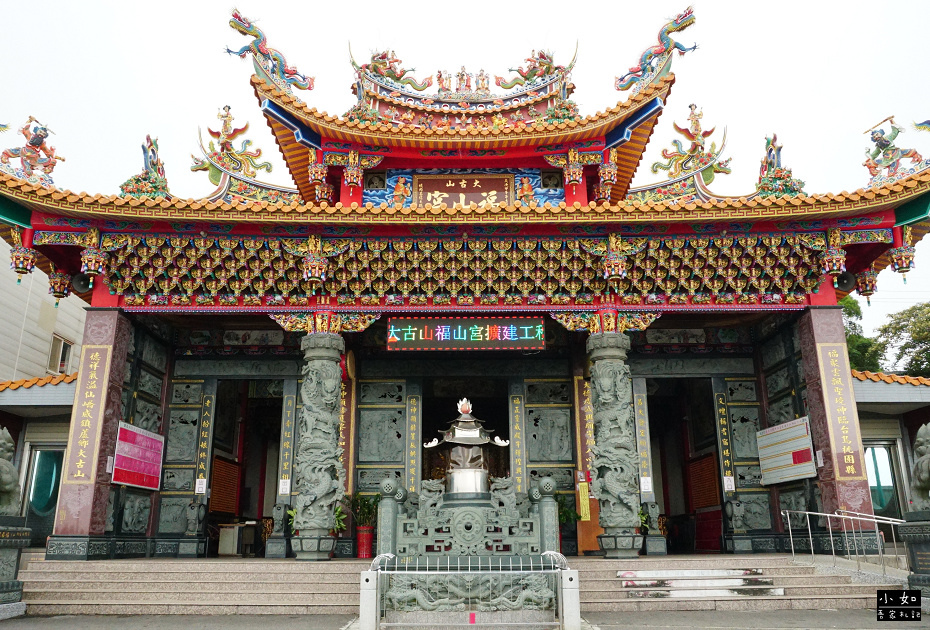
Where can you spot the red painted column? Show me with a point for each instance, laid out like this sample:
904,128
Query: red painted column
577,192
95,416
348,194
832,409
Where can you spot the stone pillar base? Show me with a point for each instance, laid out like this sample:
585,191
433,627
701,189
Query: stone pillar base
623,544
180,547
656,545
277,547
916,533
8,611
313,547
78,548
12,541
740,543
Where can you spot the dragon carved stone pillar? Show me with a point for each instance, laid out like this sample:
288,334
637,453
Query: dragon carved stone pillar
319,477
615,464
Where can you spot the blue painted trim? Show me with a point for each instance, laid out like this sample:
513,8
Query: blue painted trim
622,133
302,133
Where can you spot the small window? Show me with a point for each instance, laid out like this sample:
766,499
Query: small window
551,180
376,180
59,359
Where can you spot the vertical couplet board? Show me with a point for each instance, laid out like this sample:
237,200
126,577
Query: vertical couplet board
643,442
517,438
205,438
412,452
87,416
724,440
289,416
841,411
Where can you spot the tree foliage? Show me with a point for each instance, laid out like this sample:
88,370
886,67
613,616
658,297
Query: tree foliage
864,352
906,337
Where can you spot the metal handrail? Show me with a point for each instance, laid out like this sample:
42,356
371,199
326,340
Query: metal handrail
844,516
887,520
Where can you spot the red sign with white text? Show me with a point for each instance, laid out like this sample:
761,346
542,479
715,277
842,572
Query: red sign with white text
138,457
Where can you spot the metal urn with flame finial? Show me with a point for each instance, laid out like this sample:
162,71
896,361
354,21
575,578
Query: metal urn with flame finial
467,473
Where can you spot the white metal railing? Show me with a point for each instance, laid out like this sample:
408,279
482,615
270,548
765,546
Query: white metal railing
492,584
850,521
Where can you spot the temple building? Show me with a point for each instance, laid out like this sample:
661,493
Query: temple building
268,349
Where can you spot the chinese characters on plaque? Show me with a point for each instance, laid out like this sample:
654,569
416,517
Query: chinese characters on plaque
204,440
413,437
724,434
286,459
516,443
643,446
840,406
87,415
466,333
480,189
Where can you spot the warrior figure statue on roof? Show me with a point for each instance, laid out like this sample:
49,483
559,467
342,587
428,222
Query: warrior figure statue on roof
654,57
386,64
696,157
226,156
31,155
269,59
886,155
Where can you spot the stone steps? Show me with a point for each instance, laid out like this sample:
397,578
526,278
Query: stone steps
718,592
813,602
255,607
44,584
286,587
205,593
716,583
610,584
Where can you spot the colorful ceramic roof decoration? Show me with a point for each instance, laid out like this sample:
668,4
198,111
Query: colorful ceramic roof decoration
464,189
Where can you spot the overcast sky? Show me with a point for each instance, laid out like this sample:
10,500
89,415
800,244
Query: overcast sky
102,75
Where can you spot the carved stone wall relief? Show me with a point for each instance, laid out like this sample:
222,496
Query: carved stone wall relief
382,393
381,435
182,431
186,393
172,515
745,423
548,393
756,514
548,434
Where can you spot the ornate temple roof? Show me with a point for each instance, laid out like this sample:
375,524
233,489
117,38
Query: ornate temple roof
800,207
299,130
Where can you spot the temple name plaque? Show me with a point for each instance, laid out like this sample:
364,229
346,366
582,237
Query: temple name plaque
466,333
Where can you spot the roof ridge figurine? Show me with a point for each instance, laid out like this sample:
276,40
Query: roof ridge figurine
30,156
267,58
654,58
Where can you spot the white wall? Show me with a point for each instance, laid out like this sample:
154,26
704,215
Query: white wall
28,319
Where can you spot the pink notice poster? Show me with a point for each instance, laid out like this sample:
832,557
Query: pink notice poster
138,457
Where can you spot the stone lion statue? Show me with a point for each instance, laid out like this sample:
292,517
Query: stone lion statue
920,475
9,479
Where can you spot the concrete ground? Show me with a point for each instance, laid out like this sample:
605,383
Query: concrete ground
759,620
